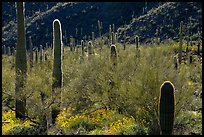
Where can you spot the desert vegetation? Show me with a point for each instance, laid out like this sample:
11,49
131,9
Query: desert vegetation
101,85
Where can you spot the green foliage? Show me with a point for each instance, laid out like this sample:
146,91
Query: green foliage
131,90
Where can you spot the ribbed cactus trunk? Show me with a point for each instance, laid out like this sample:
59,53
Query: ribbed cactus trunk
113,54
21,66
31,52
4,49
57,65
180,42
167,107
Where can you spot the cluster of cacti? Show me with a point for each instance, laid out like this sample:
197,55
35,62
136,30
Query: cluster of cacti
167,107
180,42
21,65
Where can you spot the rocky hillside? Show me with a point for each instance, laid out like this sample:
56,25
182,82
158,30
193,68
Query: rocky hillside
166,19
80,19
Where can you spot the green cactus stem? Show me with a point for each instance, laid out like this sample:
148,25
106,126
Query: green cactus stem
21,66
82,48
167,107
137,41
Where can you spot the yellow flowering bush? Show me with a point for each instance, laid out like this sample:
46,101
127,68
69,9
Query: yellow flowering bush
117,126
9,121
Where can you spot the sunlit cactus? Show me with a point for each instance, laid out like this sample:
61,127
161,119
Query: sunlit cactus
167,107
21,66
57,63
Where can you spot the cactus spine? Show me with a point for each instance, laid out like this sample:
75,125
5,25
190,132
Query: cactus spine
180,43
21,66
113,54
167,107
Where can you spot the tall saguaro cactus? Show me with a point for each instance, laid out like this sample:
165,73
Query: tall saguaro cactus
57,65
180,42
167,107
21,67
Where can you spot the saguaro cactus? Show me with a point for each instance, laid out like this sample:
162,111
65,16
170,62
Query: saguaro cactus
167,107
41,54
21,67
9,51
90,50
113,54
31,51
82,48
180,43
36,55
137,41
57,65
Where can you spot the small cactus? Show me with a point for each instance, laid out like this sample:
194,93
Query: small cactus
113,38
9,51
137,41
167,107
82,48
175,62
113,54
4,49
